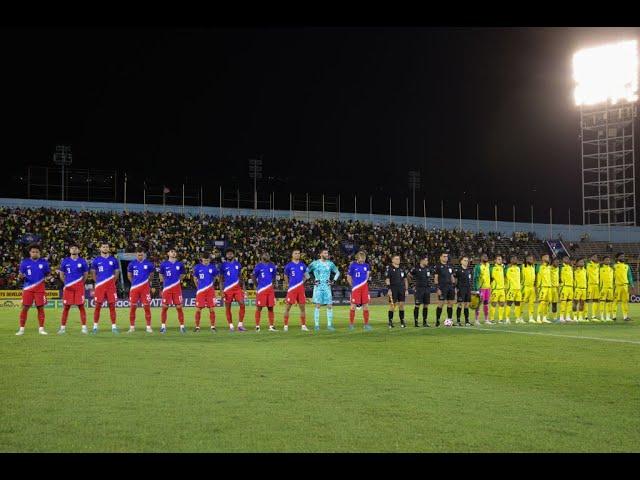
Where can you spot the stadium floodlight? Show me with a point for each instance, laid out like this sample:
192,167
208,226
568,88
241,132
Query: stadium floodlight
608,73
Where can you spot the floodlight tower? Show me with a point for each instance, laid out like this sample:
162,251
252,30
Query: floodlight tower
62,156
607,93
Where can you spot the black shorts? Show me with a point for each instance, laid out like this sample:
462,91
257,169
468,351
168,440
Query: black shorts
397,294
422,296
464,295
447,292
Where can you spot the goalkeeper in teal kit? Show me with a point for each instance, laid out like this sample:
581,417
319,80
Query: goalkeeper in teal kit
322,270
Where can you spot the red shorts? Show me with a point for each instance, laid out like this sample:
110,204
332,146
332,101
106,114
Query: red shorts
360,296
206,298
106,292
73,294
172,296
266,298
296,295
140,294
36,295
234,293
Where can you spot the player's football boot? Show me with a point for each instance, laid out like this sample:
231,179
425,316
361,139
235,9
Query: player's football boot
368,328
163,329
149,330
316,328
437,323
488,322
242,329
20,332
213,330
84,329
115,330
391,325
131,330
183,329
304,328
272,328
330,328
351,326
467,324
458,324
41,331
544,320
403,325
594,319
257,328
507,322
285,328
196,330
425,324
627,319
62,331
519,320
416,324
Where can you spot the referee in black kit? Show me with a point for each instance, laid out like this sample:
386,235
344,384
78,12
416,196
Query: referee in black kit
396,279
445,281
422,277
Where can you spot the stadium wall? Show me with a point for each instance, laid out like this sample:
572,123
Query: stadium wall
614,234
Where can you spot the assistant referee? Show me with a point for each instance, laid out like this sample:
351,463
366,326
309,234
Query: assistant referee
396,279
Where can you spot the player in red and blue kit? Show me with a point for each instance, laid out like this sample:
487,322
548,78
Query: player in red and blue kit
204,275
294,272
106,271
73,272
263,276
232,290
138,272
34,270
358,278
171,274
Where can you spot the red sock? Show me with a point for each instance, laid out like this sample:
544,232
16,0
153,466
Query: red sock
286,319
181,316
198,313
163,314
40,316
227,311
83,314
65,314
257,317
365,314
271,317
303,320
147,314
132,315
112,313
23,315
352,316
212,317
96,313
242,312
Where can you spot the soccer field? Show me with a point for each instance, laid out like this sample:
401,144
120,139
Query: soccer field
517,388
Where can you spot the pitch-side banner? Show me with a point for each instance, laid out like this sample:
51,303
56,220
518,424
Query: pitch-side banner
17,294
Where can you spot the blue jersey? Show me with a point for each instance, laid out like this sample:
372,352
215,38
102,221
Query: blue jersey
358,273
231,271
171,272
104,268
140,272
73,270
322,271
295,272
205,274
264,272
34,272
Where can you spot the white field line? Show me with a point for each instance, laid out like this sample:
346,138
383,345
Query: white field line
579,337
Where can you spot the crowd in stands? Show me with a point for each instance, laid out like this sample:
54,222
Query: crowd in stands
191,235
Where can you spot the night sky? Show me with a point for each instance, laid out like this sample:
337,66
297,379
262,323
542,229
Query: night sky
485,114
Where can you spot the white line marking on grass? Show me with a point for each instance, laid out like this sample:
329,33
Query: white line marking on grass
580,337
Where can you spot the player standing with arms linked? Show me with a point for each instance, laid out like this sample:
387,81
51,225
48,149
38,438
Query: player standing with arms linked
445,281
138,272
294,272
482,284
396,279
322,270
264,275
422,295
231,271
73,272
204,275
34,270
464,282
623,279
105,272
171,274
358,280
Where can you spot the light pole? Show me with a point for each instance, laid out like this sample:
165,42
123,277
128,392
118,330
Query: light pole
414,183
62,156
255,172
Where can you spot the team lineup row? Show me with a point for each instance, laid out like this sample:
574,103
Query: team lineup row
570,283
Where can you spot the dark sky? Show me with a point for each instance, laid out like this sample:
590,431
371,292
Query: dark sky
485,114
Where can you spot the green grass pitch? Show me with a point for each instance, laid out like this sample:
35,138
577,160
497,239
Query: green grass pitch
518,388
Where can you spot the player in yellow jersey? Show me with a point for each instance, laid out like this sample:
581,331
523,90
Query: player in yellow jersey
543,285
593,287
622,281
606,289
555,286
566,289
482,285
497,289
514,290
579,291
529,285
